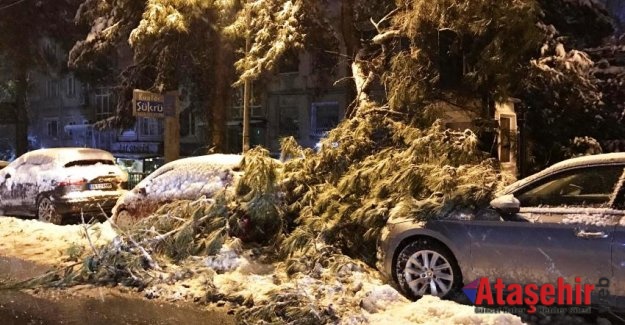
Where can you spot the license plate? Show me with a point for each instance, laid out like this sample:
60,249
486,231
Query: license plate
100,186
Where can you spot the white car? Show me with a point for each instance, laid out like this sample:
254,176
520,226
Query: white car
58,182
182,179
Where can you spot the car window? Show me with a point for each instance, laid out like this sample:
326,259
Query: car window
89,162
589,187
39,159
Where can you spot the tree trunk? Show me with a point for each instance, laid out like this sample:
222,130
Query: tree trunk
352,45
21,113
220,94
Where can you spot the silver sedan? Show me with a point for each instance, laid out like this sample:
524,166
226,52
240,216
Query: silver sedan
565,222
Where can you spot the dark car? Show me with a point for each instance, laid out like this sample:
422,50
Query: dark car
58,182
565,222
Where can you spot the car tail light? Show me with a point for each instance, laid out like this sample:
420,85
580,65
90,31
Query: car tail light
73,182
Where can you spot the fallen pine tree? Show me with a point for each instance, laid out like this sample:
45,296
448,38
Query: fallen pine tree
316,217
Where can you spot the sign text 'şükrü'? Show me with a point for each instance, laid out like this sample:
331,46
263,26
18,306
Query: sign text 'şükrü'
148,104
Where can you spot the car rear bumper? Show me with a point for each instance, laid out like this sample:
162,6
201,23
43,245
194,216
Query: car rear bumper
85,205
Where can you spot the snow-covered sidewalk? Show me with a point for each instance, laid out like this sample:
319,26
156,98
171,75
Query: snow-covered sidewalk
46,243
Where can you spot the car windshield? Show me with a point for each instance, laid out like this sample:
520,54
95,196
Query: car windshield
89,162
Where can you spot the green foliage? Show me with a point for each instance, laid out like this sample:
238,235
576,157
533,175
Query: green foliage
372,165
74,252
258,213
184,228
494,39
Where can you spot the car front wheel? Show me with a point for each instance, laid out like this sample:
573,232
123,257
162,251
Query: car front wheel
425,267
46,211
123,220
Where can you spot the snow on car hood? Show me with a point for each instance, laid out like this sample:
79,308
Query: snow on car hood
187,178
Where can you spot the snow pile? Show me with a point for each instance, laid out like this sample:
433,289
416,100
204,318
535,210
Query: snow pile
432,310
338,290
228,259
380,298
47,243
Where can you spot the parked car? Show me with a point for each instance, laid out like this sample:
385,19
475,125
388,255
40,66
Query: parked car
58,182
566,221
182,179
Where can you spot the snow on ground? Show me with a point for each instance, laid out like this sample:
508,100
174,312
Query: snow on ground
353,291
46,243
432,310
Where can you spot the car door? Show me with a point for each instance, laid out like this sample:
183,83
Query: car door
564,229
614,291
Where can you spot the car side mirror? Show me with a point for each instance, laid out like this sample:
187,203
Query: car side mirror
506,204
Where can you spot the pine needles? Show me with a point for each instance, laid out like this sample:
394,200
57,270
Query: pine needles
372,165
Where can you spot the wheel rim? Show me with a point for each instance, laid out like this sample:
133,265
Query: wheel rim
47,212
428,272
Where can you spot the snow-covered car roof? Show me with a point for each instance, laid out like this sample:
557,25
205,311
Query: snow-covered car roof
222,160
592,160
65,155
182,179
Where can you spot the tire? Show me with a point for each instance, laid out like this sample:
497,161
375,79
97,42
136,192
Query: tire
424,267
123,220
46,212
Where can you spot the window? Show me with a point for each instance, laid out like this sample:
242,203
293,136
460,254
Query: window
150,126
84,94
256,109
289,121
71,87
52,88
450,59
324,117
52,128
289,62
103,103
589,187
191,123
